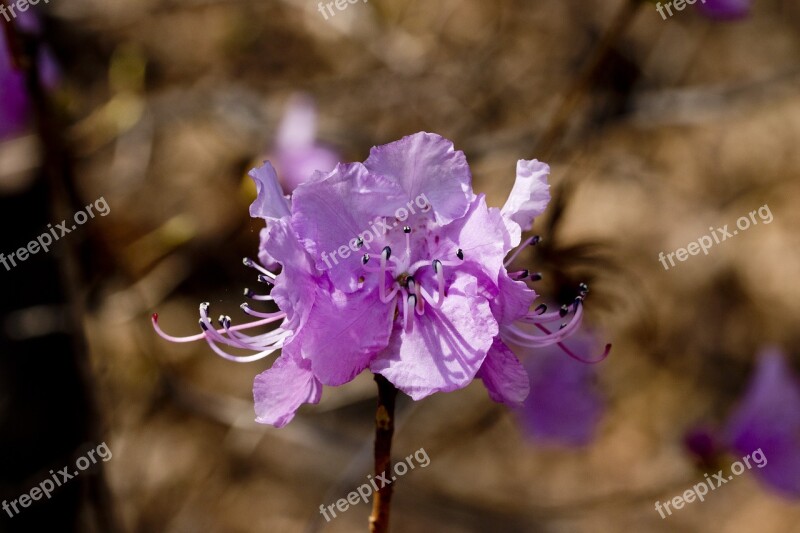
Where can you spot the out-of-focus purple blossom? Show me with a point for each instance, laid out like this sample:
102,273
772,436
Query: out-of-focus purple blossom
768,418
396,266
724,9
565,405
14,100
703,444
297,153
14,104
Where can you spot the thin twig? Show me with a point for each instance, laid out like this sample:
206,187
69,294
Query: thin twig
384,430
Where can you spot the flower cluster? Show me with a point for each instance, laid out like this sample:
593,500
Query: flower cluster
430,304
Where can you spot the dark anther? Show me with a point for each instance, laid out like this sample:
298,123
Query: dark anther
460,254
564,311
387,253
406,229
540,309
365,259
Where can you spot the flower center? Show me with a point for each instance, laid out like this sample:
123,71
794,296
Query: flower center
403,286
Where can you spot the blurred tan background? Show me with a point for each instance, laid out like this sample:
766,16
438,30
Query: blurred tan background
683,124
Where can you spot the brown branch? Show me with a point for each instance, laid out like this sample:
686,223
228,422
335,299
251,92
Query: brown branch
384,429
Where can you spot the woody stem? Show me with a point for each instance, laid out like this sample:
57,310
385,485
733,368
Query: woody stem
384,429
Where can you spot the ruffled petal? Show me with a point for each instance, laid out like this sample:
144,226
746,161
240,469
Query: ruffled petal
299,165
445,347
529,196
264,257
425,165
270,203
330,214
480,234
343,334
295,287
768,419
503,375
513,301
281,390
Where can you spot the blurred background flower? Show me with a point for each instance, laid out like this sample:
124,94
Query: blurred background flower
565,405
725,9
768,418
297,152
13,97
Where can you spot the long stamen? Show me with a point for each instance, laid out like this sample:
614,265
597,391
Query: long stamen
551,337
572,354
255,343
427,262
246,308
408,299
531,240
520,274
391,294
201,336
225,322
428,297
258,297
252,264
386,253
407,231
234,358
439,270
208,328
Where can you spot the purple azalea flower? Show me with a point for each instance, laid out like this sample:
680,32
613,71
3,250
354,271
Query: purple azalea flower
297,153
395,266
768,418
13,98
725,9
565,405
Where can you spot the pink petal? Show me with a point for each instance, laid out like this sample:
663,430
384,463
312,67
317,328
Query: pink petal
329,214
529,196
343,334
445,348
281,390
270,202
504,376
425,164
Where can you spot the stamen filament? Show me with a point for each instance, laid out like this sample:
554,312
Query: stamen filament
530,240
200,336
